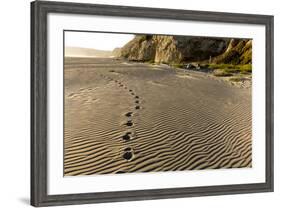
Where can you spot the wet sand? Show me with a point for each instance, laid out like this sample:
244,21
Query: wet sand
122,117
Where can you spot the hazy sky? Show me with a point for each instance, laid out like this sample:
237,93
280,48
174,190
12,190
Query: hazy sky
101,41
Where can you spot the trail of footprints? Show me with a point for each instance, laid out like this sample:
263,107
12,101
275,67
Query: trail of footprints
128,152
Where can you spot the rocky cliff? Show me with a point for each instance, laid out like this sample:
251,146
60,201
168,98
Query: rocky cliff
239,51
141,48
116,52
182,49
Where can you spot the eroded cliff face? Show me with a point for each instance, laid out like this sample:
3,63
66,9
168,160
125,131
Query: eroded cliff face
171,49
237,52
182,49
141,48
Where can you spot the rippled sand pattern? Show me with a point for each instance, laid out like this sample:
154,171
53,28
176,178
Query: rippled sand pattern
122,117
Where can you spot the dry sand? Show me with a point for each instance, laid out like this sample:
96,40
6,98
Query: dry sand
125,117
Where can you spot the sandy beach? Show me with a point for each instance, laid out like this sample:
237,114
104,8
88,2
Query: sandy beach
122,117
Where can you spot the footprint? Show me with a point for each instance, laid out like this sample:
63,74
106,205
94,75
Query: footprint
137,107
129,114
127,136
132,93
137,97
137,101
128,155
130,90
129,123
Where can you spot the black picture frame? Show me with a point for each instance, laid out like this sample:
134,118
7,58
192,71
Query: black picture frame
39,12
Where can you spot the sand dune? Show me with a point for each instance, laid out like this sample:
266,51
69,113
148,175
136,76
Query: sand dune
130,117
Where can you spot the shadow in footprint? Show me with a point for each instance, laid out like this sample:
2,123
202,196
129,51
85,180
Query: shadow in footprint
128,155
137,97
129,114
129,123
127,136
137,101
137,107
